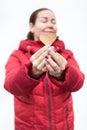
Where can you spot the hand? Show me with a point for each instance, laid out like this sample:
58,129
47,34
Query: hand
55,63
38,61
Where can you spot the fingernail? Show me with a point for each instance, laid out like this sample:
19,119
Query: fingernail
46,57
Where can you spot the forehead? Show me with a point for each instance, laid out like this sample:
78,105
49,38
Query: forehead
46,13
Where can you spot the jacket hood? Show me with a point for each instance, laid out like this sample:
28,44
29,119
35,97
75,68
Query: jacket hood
27,45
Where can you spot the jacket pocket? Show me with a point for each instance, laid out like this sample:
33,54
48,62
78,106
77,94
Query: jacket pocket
25,99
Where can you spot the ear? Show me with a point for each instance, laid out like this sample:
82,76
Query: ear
31,27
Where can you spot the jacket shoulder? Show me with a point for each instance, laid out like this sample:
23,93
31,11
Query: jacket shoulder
61,46
20,56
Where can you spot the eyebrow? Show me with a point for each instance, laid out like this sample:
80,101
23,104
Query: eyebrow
46,18
43,17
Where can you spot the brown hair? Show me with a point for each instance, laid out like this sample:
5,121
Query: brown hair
32,20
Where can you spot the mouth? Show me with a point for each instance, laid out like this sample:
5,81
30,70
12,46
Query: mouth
49,32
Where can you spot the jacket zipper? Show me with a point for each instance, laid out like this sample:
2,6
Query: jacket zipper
49,104
67,117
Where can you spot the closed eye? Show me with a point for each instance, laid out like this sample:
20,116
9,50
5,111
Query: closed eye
44,20
53,21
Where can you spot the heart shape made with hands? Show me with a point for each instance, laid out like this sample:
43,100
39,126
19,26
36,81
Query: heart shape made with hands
48,38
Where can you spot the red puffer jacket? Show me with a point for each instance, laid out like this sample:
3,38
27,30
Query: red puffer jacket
44,104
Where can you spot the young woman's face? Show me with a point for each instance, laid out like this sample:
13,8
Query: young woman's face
45,22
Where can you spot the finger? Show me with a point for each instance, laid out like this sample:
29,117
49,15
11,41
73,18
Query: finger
59,59
39,52
49,69
44,69
42,65
39,60
52,63
56,72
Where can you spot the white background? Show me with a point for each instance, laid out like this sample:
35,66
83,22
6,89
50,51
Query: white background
72,29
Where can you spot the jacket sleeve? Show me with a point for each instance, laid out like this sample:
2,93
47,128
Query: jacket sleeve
17,79
73,77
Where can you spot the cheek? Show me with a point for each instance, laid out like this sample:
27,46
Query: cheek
41,26
55,26
56,29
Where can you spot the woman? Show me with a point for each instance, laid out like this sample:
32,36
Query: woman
42,77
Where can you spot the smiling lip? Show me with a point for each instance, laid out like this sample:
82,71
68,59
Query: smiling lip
49,32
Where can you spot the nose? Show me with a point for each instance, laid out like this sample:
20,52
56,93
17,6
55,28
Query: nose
50,24
50,27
